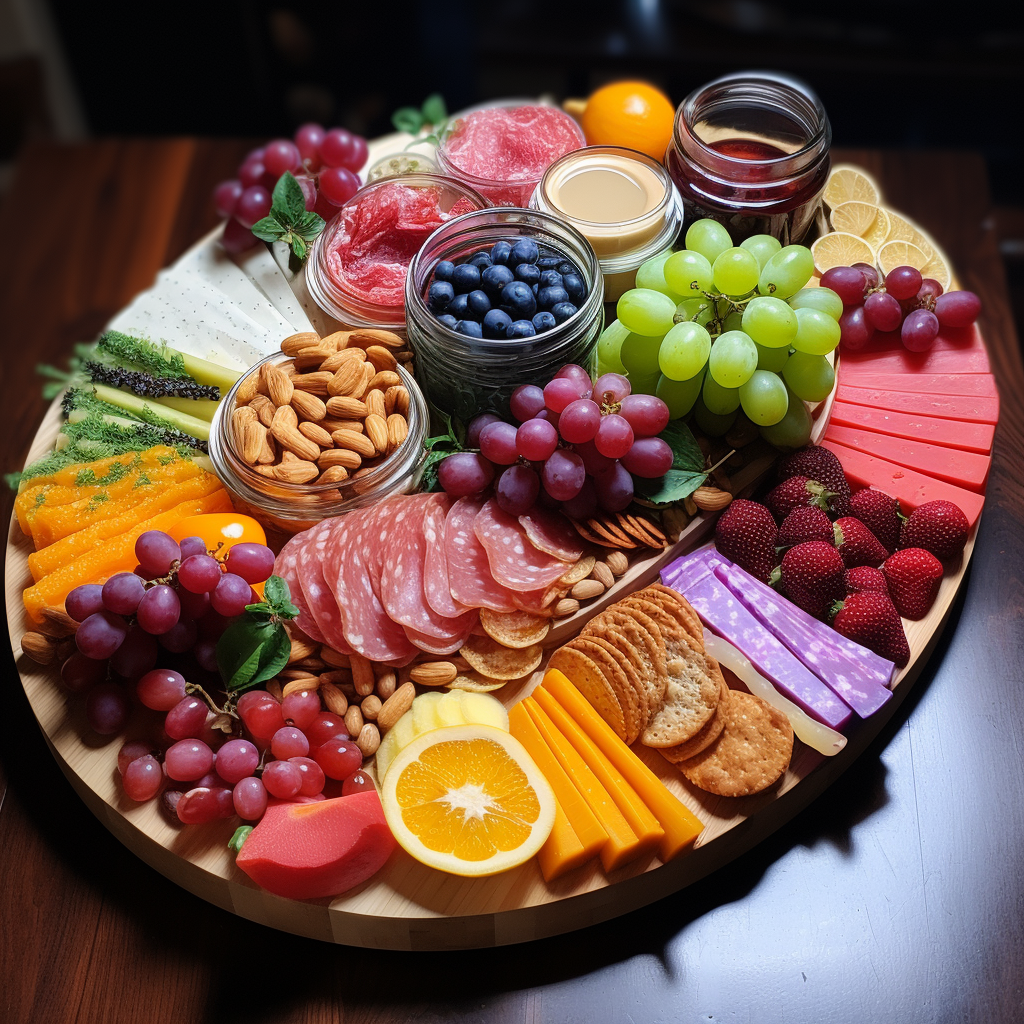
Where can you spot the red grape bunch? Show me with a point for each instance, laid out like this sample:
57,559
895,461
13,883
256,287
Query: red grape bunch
325,164
903,301
577,446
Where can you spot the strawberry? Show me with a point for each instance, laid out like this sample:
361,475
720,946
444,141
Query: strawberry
871,619
746,534
820,464
880,513
806,523
913,576
937,526
812,576
864,578
857,544
797,492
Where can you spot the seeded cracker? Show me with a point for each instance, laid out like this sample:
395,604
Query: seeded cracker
679,608
610,662
668,624
751,754
516,629
584,674
495,661
690,697
711,730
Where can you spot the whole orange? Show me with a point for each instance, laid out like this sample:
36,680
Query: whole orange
630,114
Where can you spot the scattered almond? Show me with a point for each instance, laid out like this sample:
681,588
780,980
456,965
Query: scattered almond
333,657
376,431
57,623
384,379
617,562
368,739
381,358
387,683
302,649
353,720
362,676
295,343
300,686
433,673
370,706
41,649
603,574
333,475
398,428
395,706
344,457
274,689
586,589
376,404
316,434
358,443
567,606
334,700
711,499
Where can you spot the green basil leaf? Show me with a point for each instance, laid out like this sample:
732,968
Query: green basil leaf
434,109
675,485
686,453
275,591
289,204
269,229
238,839
243,674
299,247
429,480
273,656
309,225
407,119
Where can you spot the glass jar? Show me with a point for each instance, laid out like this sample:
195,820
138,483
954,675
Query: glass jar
462,376
339,297
291,507
623,202
751,150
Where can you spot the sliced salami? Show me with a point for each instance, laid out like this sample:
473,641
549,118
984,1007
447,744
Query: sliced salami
315,588
432,645
551,532
286,566
436,587
514,562
469,573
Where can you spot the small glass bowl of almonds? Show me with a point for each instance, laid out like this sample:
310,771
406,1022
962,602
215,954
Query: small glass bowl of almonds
321,427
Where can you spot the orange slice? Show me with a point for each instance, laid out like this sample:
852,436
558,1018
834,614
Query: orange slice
468,800
847,183
900,254
939,270
854,216
840,249
903,230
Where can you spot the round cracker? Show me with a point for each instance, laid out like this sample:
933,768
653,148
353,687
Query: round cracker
475,683
611,531
496,661
711,729
622,677
584,674
679,608
516,629
751,754
671,628
579,571
691,697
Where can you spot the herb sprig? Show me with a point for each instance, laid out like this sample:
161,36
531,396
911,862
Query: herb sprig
289,220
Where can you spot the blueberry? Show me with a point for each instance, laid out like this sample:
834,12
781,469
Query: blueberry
517,299
495,277
574,285
443,271
565,267
562,311
547,298
524,251
500,251
439,294
527,272
480,260
448,320
544,322
520,329
535,288
459,306
548,262
497,323
470,328
550,279
465,278
479,304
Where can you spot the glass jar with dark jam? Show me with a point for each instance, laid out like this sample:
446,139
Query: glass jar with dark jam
751,150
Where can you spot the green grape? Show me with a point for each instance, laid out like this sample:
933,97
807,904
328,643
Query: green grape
709,238
645,311
711,423
764,398
639,354
644,383
809,377
684,351
818,298
699,311
793,430
816,333
786,272
719,400
773,359
735,271
679,395
733,322
733,359
687,272
651,274
770,322
764,247
609,346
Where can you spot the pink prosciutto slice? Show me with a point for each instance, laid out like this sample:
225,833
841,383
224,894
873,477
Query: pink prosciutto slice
551,532
286,566
515,563
315,588
469,574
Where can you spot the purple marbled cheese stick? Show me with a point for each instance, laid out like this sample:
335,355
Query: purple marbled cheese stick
723,613
688,568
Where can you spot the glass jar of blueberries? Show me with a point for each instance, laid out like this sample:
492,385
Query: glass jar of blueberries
497,298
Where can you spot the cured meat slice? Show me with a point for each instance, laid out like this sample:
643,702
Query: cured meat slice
469,573
436,587
551,532
432,645
315,588
286,566
514,562
401,584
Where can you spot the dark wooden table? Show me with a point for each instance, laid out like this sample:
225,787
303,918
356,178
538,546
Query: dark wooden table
898,896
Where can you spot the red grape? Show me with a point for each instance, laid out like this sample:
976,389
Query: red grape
237,760
593,460
498,443
930,289
205,653
882,311
647,414
181,637
129,752
188,760
289,742
560,391
142,778
203,804
161,689
611,388
226,196
564,474
136,655
313,777
193,606
357,782
614,488
107,709
262,719
517,490
186,719
280,156
649,457
199,574
869,273
253,205
338,758
338,149
854,331
80,673
584,505
282,779
919,330
614,436
84,601
159,609
237,237
308,139
527,400
253,562
231,595
100,635
578,422
252,169
537,439
476,424
326,726
579,376
249,798
156,552
338,185
847,282
122,593
300,708
902,282
465,473
957,309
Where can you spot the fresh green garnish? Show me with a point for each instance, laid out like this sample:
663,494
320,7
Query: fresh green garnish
432,113
687,472
289,220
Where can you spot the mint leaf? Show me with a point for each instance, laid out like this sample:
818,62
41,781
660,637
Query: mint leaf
675,485
275,590
407,119
238,839
269,229
434,109
289,204
299,247
309,225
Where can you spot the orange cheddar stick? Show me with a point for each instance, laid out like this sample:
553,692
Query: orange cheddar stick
637,814
577,836
623,846
680,825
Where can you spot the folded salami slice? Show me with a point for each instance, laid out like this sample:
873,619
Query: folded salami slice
551,532
436,587
515,563
315,588
286,566
469,573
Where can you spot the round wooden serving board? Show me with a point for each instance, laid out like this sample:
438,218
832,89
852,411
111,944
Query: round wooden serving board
407,905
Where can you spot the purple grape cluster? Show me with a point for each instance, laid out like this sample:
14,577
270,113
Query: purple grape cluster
916,306
577,445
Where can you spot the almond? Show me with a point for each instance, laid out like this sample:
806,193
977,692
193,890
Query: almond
368,374
298,472
359,443
366,337
383,379
57,623
278,384
300,686
343,457
337,341
387,683
398,429
243,414
368,739
603,574
274,689
433,673
295,343
311,358
362,676
41,649
332,423
370,706
586,589
247,388
711,499
314,665
315,383
376,404
353,720
567,606
395,706
265,409
333,363
285,418
339,676
333,475
376,431
334,700
381,358
296,442
268,453
347,379
333,657
301,648
346,408
316,434
308,407
401,400
617,562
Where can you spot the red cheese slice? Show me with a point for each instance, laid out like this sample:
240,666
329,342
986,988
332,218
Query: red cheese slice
951,407
910,487
898,360
965,469
969,437
980,385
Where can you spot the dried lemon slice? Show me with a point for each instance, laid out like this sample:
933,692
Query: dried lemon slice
840,249
900,254
937,268
903,230
878,234
847,183
854,216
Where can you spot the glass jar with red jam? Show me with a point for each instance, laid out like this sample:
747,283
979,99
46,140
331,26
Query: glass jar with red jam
358,265
751,150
